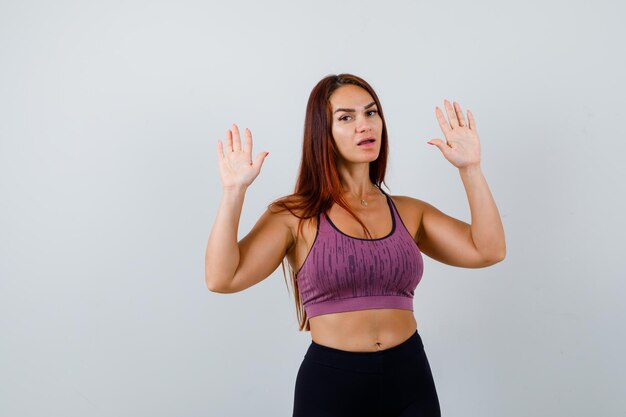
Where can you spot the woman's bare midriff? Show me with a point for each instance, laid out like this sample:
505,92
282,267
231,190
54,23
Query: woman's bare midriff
363,330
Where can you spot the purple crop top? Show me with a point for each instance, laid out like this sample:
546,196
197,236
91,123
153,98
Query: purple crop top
345,273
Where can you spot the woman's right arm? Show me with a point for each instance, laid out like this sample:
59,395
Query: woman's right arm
222,251
232,266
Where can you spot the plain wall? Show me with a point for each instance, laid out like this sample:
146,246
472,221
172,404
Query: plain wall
109,118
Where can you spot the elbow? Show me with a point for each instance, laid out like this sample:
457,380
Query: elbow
491,258
500,258
211,286
495,258
501,253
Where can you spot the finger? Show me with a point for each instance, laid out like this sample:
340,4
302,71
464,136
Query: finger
459,114
236,138
472,122
440,144
220,150
443,124
454,122
248,141
229,141
260,158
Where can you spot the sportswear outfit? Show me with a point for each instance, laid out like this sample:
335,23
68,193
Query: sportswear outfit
345,273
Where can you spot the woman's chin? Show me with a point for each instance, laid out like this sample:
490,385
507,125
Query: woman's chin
359,161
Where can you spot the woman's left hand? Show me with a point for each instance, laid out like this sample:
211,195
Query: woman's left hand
462,146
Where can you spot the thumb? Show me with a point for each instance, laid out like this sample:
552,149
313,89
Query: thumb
260,158
438,143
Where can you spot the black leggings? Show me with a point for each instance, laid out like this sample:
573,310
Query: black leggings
395,382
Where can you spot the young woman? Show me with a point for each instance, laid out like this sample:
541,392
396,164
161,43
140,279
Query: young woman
354,251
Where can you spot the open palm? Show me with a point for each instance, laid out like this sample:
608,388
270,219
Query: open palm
462,145
236,166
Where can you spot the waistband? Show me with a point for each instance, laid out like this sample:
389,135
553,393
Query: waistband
371,362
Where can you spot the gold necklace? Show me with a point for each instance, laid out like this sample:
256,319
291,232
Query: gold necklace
364,202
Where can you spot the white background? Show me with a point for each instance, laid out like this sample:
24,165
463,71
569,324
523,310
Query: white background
109,117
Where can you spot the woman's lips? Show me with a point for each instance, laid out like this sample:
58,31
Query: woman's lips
367,145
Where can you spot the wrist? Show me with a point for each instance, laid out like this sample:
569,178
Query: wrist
235,189
470,169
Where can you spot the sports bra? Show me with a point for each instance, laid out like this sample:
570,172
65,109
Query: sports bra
344,273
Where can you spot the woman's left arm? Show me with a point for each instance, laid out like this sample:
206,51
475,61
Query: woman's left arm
486,228
462,149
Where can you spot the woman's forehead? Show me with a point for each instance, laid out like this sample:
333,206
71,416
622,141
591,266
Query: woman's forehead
350,96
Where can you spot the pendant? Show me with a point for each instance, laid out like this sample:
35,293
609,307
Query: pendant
364,203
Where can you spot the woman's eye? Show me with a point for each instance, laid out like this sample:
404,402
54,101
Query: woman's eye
369,112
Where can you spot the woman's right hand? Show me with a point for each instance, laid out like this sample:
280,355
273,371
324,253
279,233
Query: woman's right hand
237,170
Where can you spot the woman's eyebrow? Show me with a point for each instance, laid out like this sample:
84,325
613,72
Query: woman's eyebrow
352,110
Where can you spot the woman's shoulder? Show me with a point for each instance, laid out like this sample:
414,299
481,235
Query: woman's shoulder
408,204
300,224
410,210
288,211
288,206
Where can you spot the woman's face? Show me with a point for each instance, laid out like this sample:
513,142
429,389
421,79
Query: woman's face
355,118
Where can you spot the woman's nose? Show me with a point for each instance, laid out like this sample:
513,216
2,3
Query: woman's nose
363,125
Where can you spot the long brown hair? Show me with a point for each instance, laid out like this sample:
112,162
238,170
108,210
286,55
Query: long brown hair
318,185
